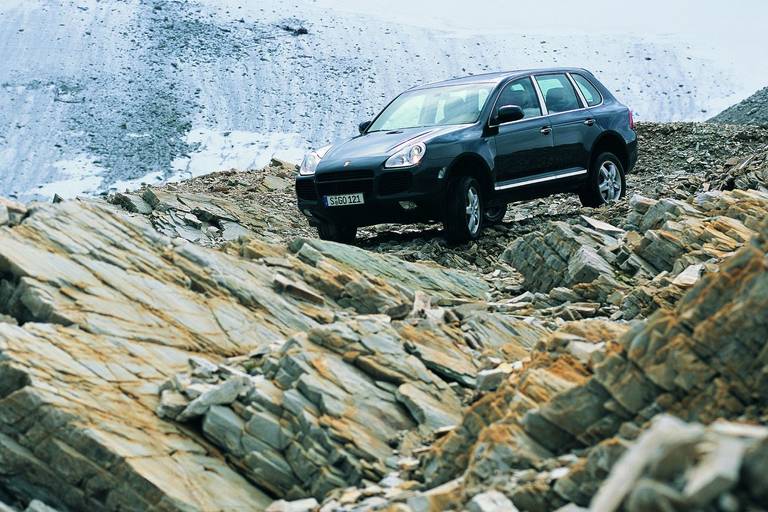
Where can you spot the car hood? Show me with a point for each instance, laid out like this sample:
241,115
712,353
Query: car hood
382,144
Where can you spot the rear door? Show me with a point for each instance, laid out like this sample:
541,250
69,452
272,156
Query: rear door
523,147
573,128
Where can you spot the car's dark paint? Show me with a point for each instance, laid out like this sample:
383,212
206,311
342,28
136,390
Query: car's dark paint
521,149
497,153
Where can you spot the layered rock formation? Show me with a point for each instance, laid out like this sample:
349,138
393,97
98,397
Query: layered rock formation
667,245
675,466
703,360
326,408
743,173
110,310
142,370
221,207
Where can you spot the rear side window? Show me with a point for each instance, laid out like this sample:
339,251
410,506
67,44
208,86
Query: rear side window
591,94
521,93
559,94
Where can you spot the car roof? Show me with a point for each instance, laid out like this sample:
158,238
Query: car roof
494,78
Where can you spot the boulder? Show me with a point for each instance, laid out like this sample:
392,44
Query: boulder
679,466
172,403
436,499
224,393
489,380
12,211
490,501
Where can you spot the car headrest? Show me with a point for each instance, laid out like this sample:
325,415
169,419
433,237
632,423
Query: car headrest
515,98
454,108
556,97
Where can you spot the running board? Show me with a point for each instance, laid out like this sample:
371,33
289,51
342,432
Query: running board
521,182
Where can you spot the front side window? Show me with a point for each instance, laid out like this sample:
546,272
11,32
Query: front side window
591,94
521,93
436,106
558,93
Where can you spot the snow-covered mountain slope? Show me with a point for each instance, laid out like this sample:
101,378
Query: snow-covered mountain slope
98,94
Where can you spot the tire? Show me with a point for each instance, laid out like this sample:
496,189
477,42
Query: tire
463,218
337,233
494,215
606,182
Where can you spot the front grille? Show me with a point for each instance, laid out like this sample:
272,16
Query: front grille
395,182
305,189
345,182
344,187
355,174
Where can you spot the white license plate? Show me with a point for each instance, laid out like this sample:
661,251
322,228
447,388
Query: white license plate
344,199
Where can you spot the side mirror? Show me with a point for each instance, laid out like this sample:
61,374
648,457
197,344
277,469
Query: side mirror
363,126
509,113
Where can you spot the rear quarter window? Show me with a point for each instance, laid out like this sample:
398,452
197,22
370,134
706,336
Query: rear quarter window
590,92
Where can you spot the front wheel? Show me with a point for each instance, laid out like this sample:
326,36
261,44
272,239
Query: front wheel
606,182
464,216
337,233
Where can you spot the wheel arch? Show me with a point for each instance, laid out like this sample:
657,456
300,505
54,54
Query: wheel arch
610,142
474,165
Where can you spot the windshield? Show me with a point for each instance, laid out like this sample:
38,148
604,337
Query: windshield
436,106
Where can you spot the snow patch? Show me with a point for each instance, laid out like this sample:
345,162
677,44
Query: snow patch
81,176
222,150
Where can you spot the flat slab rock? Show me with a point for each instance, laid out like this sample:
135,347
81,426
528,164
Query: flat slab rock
322,409
97,395
111,310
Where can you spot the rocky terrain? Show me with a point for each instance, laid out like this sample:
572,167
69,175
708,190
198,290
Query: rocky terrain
674,163
194,347
752,111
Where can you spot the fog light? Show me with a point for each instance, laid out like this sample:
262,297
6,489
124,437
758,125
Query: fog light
408,205
307,213
441,174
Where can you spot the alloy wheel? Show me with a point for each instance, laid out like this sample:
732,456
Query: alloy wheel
609,182
473,210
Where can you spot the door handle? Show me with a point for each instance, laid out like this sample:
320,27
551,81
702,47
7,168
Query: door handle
546,130
589,122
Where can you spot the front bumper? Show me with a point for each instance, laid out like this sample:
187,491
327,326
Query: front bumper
383,192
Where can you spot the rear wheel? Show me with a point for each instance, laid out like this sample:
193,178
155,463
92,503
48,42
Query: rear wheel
495,214
463,219
606,182
337,233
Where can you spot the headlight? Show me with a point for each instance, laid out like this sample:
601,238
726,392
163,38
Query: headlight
309,165
408,156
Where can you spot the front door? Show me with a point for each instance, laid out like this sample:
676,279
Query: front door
523,147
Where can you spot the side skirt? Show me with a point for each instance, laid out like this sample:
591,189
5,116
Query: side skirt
539,178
